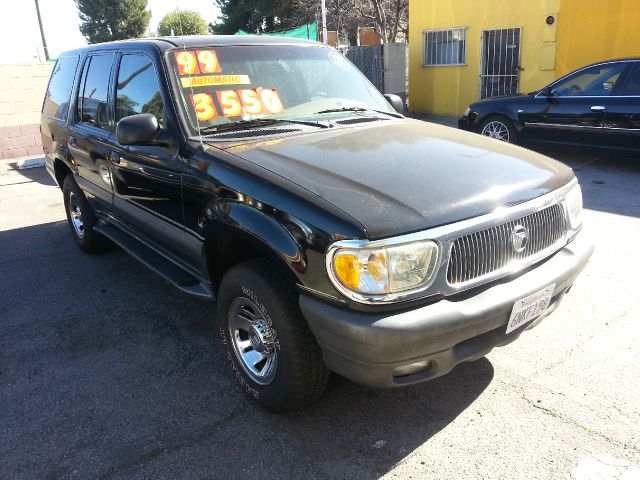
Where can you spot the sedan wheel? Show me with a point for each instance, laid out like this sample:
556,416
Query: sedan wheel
498,130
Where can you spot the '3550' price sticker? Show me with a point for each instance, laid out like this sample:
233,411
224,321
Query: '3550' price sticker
234,103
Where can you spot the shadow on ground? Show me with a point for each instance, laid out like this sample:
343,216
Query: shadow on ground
610,181
107,371
38,174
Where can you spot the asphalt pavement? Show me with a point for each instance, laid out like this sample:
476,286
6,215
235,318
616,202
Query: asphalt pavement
107,371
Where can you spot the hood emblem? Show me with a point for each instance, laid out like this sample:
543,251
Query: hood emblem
519,238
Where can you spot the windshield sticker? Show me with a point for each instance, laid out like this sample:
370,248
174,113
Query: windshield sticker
271,100
192,62
236,103
208,61
203,105
230,103
215,80
251,101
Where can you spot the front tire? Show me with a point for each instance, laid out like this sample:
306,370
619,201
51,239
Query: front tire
499,128
82,219
270,349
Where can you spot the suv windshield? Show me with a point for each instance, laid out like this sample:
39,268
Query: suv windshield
221,85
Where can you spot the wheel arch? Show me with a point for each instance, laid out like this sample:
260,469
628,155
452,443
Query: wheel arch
508,121
509,113
246,233
61,169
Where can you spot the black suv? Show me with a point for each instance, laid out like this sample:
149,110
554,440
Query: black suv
333,233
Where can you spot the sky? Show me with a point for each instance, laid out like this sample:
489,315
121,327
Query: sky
19,25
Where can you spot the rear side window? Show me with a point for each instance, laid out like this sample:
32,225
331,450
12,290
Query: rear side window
598,81
92,98
632,88
137,90
56,100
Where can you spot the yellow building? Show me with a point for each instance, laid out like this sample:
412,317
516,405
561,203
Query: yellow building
463,50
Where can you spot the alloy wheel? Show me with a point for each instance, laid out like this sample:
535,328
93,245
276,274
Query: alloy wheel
75,214
253,340
497,130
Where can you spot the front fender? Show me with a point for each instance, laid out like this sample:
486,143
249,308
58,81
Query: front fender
266,230
238,232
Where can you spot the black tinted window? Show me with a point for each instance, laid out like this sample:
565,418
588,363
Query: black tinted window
137,89
633,83
92,99
598,81
56,100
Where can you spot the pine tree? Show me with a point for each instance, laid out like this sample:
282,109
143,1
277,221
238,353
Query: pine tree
106,20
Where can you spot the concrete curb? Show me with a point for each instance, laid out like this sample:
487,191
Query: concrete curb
30,162
447,121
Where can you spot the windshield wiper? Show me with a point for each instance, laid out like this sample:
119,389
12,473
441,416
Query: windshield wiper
358,109
257,123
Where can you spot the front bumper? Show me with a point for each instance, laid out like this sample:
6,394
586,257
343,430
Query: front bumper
464,123
376,349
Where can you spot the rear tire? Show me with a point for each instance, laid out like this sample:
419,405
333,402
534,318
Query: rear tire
498,127
82,219
270,349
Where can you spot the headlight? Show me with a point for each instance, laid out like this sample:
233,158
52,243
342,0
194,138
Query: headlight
376,272
467,111
573,201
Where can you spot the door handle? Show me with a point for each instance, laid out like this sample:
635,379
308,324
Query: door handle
598,108
72,141
115,158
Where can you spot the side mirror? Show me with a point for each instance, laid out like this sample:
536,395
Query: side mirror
141,129
546,92
396,102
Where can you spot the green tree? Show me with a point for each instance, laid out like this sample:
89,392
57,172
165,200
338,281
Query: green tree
155,106
106,20
389,17
183,22
253,16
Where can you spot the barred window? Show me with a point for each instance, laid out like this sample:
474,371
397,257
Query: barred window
445,47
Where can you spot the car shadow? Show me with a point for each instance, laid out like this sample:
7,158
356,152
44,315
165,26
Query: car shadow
27,175
110,372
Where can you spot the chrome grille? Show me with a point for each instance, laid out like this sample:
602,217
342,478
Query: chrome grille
486,251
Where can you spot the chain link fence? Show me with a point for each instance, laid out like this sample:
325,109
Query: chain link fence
384,65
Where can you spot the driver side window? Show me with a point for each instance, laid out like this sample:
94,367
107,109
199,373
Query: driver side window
137,90
598,81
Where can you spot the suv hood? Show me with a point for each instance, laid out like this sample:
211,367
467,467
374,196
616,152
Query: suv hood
400,176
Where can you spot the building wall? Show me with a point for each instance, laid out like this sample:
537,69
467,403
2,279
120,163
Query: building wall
585,31
22,89
592,31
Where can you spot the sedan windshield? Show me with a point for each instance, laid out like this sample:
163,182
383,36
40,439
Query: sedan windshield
223,85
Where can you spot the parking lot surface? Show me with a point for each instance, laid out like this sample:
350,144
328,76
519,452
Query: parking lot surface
107,371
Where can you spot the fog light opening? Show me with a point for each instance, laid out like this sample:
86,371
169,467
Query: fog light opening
412,368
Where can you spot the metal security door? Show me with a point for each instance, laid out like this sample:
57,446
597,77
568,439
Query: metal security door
500,66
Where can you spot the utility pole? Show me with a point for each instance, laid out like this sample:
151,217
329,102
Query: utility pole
44,40
324,21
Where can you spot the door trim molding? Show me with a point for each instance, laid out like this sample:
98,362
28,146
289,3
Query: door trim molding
562,126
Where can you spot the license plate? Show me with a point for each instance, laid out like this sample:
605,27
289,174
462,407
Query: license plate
528,308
